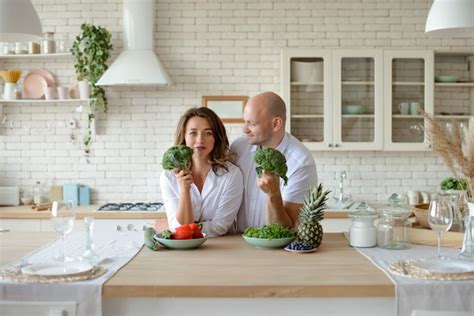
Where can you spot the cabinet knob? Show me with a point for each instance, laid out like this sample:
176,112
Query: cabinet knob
430,146
329,145
130,227
336,145
118,228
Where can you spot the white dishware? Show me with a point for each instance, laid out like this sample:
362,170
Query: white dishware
414,108
444,266
440,217
9,91
413,197
50,93
63,93
56,268
62,216
404,108
84,89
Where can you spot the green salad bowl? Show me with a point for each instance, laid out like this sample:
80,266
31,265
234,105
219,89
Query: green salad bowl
268,243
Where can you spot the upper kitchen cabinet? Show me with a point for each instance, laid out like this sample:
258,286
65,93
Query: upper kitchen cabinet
454,88
334,98
306,87
408,85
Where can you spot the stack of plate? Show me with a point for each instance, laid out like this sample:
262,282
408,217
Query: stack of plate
36,82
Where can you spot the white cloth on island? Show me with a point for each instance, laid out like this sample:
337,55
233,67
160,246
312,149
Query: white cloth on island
418,294
115,250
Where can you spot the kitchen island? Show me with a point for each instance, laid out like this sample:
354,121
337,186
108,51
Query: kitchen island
226,276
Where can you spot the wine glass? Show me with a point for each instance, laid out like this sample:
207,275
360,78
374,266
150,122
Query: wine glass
62,216
440,217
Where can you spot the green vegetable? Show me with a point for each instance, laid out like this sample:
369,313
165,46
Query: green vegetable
149,240
452,183
177,157
272,231
166,234
271,160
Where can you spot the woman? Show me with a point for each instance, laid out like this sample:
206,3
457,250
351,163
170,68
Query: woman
211,192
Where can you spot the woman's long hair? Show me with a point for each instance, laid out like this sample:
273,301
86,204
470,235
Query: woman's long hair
221,152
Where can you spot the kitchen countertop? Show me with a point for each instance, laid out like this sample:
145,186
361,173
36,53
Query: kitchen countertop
26,212
229,267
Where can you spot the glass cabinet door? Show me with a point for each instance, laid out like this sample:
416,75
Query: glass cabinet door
454,89
307,93
408,87
357,104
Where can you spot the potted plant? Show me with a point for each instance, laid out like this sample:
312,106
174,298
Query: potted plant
91,49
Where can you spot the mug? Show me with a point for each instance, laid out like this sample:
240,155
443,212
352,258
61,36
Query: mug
63,93
414,108
404,108
50,93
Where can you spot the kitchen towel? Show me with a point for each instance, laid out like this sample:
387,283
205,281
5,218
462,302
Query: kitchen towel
115,250
417,294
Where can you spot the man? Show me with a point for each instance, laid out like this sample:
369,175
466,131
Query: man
267,200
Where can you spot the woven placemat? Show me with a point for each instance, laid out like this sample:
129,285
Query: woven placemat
406,269
15,274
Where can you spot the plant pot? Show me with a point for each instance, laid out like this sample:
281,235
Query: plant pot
84,89
9,91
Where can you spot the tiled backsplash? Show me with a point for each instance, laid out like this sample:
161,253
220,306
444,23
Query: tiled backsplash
210,48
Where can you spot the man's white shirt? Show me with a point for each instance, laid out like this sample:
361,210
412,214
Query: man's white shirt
301,176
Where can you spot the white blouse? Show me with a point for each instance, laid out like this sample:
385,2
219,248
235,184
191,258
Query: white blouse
215,207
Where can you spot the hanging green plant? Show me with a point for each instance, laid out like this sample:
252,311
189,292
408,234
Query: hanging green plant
91,49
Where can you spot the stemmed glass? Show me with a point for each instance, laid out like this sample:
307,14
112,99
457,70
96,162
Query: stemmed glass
440,217
62,216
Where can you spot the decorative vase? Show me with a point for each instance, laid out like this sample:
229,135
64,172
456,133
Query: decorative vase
84,89
467,251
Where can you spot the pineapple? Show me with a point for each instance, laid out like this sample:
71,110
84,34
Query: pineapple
309,229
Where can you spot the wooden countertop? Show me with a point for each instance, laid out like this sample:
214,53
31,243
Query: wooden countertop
26,212
229,267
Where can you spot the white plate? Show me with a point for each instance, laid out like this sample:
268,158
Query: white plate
57,268
444,266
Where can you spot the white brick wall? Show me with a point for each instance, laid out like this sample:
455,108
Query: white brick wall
208,48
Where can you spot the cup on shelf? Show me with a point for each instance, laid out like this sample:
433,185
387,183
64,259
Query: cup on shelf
414,108
63,93
50,93
9,91
404,108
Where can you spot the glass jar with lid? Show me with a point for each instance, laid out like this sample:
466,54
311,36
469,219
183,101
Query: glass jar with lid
48,46
362,232
392,228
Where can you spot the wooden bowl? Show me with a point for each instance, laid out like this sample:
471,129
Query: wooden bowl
421,214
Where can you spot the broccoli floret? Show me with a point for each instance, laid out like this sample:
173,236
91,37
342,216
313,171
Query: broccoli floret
271,160
177,157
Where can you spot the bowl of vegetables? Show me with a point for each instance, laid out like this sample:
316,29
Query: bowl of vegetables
187,236
269,236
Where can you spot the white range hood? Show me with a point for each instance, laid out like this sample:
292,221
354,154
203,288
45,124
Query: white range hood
137,64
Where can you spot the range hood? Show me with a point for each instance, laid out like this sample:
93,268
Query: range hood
137,64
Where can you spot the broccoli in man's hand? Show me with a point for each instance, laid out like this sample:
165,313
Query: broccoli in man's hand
177,157
271,160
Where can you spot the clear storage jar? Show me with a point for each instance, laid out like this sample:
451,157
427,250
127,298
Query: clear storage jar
48,46
392,228
362,232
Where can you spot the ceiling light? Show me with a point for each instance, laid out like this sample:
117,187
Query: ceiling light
451,18
19,21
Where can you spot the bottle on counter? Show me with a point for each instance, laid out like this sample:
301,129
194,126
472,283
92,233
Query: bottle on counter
38,193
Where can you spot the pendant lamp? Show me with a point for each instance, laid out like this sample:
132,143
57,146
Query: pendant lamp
19,21
451,18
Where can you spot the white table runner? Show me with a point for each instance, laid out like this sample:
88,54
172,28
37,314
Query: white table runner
423,294
115,250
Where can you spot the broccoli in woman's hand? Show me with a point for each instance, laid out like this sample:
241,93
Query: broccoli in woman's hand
271,160
177,157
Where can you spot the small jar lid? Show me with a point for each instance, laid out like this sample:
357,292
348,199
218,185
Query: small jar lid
363,212
395,208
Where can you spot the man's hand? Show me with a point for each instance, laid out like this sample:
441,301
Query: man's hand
269,183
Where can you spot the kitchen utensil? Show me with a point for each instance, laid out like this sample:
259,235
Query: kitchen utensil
34,86
404,108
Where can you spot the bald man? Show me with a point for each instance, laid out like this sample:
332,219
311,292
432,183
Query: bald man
266,200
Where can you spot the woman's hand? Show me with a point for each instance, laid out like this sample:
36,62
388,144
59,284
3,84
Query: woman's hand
185,178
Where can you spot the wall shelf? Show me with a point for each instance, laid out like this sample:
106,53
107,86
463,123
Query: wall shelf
35,56
44,101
